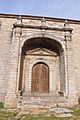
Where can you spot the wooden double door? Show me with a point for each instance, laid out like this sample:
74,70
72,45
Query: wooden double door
40,78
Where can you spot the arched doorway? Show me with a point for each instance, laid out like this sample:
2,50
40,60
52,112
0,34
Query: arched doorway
35,75
40,78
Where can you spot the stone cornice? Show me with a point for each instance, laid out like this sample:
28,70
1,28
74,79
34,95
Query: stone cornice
15,16
43,27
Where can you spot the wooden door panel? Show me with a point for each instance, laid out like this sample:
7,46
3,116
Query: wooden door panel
45,79
40,78
35,79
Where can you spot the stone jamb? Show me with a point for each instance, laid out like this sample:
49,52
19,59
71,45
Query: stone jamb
50,73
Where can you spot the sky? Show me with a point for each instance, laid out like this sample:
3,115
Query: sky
68,9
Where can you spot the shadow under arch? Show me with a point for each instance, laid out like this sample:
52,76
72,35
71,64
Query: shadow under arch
48,36
47,43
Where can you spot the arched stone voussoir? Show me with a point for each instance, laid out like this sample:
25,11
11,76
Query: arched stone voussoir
48,36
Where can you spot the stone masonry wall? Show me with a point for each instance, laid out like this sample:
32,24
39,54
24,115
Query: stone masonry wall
76,57
5,42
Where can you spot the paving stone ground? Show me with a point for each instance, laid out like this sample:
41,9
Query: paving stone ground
64,115
62,112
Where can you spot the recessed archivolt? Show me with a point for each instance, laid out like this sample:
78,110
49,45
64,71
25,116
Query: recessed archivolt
48,36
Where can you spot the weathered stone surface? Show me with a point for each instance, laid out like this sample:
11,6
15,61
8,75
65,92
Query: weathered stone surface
27,42
61,110
64,115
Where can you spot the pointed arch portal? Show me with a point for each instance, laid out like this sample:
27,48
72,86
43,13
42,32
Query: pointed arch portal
40,78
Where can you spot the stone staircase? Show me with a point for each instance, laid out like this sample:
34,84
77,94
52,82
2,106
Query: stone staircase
41,101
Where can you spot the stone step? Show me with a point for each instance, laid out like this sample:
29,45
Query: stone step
32,106
35,102
41,102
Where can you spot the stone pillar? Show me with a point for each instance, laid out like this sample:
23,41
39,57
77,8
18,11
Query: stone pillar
71,91
26,88
62,71
66,89
11,97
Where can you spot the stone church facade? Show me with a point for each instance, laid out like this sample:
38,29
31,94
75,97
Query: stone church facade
39,61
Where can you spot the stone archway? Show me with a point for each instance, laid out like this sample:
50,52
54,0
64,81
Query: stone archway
44,50
40,78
